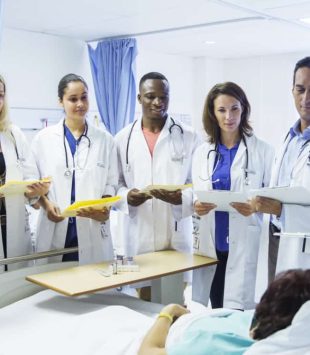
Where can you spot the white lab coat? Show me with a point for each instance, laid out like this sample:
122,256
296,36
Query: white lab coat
294,218
244,232
18,231
156,225
95,176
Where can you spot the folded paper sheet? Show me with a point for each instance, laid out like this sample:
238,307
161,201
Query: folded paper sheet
96,204
296,195
166,187
14,187
221,198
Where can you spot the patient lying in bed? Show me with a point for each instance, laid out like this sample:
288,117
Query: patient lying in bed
99,324
280,325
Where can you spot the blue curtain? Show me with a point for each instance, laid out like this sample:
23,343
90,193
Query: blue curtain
114,75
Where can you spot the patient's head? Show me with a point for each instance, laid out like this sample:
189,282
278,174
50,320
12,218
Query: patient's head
280,302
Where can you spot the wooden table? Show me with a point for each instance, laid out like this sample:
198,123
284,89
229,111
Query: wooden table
163,268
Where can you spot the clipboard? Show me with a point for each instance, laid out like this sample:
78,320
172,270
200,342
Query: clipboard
96,204
171,188
222,198
15,187
296,195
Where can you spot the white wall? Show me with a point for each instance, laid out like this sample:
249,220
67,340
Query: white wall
33,64
267,81
179,71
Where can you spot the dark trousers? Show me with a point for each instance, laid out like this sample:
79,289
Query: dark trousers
218,283
3,232
272,251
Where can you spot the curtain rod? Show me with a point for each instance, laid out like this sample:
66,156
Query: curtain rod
182,28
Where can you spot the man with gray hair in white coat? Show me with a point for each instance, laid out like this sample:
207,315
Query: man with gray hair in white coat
291,169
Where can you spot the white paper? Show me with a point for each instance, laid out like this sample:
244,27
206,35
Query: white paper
222,198
296,195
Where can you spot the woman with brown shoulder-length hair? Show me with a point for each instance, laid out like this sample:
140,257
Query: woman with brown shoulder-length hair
234,159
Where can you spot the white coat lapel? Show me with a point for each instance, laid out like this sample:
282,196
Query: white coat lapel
13,168
238,166
299,170
207,170
164,134
278,162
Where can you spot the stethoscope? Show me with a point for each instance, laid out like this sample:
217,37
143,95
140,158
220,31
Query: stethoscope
175,155
219,157
301,148
68,171
19,159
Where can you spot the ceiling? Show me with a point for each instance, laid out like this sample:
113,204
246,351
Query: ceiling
239,28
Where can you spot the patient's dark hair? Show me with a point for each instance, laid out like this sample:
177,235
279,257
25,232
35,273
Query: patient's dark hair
281,301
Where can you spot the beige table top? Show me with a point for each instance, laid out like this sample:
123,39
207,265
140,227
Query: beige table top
85,279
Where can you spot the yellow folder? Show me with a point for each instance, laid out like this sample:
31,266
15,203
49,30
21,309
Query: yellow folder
96,204
15,187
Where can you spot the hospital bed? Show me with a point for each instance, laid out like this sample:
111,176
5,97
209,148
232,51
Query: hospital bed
35,321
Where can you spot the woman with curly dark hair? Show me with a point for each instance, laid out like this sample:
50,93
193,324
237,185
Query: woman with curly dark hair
285,303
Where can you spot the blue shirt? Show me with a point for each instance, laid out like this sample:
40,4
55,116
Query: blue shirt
222,334
71,237
221,181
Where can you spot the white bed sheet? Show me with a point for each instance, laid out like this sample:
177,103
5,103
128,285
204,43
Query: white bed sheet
48,323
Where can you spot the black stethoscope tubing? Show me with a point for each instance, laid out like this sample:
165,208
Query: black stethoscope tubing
77,142
219,156
15,146
132,127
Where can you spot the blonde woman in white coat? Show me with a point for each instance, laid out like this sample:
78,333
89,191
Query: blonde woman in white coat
232,159
82,161
16,163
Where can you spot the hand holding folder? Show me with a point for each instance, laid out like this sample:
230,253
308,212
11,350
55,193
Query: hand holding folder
222,199
15,187
100,204
170,188
297,195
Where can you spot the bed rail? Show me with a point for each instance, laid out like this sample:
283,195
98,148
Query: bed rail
40,255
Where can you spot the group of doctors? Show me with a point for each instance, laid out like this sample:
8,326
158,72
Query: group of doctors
85,163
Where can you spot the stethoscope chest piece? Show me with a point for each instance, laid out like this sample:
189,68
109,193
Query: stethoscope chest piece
67,173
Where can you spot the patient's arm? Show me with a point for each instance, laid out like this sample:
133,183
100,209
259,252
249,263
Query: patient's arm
155,340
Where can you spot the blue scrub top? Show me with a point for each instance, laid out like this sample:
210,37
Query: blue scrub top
221,181
71,237
222,334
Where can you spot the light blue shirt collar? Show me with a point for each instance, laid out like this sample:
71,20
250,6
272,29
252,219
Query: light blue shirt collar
295,131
